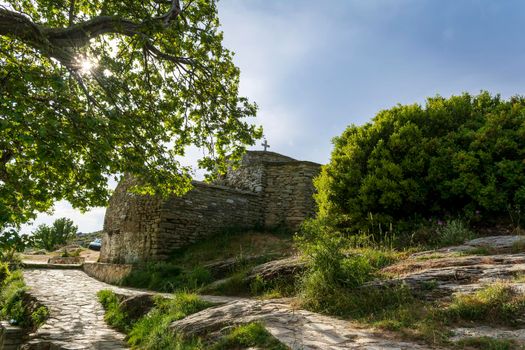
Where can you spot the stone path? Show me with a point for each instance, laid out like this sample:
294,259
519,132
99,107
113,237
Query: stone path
77,319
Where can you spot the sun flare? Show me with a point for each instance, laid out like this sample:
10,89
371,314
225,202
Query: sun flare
86,65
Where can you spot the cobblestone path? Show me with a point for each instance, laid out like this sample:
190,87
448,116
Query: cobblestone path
77,318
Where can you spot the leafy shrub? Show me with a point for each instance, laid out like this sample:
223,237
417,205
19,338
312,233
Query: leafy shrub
52,237
461,155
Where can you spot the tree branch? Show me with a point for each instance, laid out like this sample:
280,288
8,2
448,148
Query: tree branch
60,42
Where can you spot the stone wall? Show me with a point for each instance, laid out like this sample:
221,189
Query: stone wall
267,190
11,337
131,225
204,211
288,195
109,273
143,228
250,175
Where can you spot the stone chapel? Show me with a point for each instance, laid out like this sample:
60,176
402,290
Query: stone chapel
268,190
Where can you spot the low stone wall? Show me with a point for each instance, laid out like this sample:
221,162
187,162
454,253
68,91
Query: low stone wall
109,273
11,337
66,260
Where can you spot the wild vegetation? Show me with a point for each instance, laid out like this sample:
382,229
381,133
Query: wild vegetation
193,267
52,237
16,306
152,332
416,177
461,156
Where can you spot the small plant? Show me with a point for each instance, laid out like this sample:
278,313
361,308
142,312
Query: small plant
39,316
518,246
486,343
258,285
453,232
114,316
251,335
494,304
516,214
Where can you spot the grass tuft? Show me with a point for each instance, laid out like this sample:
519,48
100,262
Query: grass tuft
494,304
246,336
486,343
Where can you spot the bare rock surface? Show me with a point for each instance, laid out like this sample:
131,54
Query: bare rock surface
76,317
278,268
443,272
298,329
517,335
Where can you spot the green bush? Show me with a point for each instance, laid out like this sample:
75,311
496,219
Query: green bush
51,237
462,155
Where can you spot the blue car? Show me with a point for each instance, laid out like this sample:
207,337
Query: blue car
96,244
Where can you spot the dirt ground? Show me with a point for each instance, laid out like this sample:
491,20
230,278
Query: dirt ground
88,254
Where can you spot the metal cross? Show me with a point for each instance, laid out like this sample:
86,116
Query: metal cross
265,145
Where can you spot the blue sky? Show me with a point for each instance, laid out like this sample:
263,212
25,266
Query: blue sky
315,67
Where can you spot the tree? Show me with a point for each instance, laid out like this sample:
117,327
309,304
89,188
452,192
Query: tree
51,237
458,156
97,89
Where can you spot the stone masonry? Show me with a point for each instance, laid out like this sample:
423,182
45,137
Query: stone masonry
268,190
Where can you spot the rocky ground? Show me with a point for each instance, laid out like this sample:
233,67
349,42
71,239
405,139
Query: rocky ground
466,269
76,320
